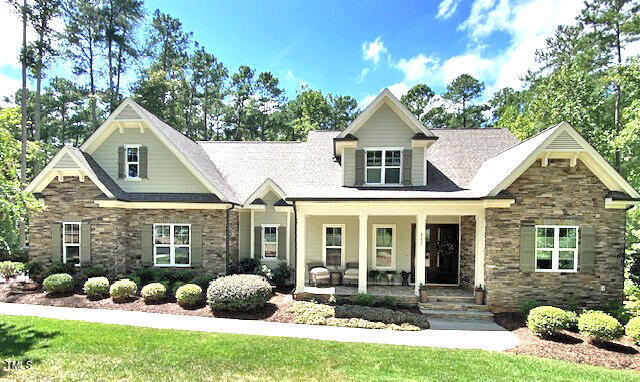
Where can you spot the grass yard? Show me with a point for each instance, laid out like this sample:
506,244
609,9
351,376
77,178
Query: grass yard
73,350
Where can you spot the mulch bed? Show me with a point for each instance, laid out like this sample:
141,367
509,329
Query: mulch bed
275,310
572,347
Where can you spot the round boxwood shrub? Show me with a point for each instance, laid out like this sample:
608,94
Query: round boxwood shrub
96,287
599,326
58,283
633,330
238,293
572,320
546,321
153,293
188,295
122,290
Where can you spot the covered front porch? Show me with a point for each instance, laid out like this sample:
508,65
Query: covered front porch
364,246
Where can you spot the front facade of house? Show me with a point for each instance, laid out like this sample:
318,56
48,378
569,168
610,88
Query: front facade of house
541,219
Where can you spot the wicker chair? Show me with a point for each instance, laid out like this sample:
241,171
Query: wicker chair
350,276
318,274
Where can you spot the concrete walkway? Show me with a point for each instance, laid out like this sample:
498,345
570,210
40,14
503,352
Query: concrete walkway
445,334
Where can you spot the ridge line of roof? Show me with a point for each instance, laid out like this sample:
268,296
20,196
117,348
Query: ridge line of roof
528,139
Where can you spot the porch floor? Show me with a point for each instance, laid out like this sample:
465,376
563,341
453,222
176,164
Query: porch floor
375,290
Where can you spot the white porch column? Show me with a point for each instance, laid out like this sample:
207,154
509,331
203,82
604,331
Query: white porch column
421,224
301,266
362,253
252,234
480,232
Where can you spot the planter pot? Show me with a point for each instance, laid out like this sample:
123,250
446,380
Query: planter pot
390,279
479,297
424,297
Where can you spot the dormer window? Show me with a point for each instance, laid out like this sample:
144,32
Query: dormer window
383,166
132,163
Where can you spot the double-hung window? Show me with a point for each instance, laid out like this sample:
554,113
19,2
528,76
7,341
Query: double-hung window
385,243
383,166
71,243
556,248
333,245
132,161
172,245
270,241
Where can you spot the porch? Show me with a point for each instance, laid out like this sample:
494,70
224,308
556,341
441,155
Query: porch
382,245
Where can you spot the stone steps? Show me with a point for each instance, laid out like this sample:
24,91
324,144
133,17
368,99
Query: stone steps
454,304
458,314
458,306
461,299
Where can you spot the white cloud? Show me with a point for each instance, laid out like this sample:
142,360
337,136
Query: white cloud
417,67
11,30
371,51
447,8
291,77
465,64
8,87
362,75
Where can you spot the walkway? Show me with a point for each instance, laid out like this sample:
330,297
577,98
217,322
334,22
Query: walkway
445,334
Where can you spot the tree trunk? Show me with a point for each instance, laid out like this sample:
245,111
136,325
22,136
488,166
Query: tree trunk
92,88
119,71
38,111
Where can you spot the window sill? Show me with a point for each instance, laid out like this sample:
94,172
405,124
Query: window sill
172,265
132,179
383,184
556,271
270,258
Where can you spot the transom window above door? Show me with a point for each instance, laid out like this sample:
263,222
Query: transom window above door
383,166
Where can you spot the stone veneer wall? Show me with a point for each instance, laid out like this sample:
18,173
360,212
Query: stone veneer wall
467,251
115,232
560,194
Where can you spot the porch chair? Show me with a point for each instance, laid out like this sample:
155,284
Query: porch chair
318,274
350,276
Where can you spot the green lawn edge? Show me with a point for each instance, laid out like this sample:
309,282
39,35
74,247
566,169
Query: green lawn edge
81,351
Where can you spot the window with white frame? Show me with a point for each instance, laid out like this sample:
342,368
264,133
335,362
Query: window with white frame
71,243
383,166
172,245
270,241
385,243
132,161
333,245
556,248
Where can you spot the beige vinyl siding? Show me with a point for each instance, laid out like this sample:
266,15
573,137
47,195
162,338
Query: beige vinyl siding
417,166
128,113
403,239
348,165
270,216
245,234
66,162
166,173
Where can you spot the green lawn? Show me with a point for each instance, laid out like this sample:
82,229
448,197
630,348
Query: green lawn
73,350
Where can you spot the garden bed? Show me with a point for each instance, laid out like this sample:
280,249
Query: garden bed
572,347
275,310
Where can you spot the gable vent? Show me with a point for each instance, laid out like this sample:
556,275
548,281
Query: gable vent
564,142
128,113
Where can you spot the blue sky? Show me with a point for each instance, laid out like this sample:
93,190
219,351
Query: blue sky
355,48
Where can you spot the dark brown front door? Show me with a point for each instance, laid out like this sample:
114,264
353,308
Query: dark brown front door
441,257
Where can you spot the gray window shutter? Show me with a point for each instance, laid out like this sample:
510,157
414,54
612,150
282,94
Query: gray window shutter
587,250
121,172
359,170
527,248
282,242
406,167
196,245
142,171
85,243
147,244
258,242
56,243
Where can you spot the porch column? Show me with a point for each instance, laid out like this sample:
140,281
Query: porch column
301,256
362,253
480,233
421,224
253,237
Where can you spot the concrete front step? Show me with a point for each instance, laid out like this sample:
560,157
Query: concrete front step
452,298
458,314
459,306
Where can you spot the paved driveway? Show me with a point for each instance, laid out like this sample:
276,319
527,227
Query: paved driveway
445,334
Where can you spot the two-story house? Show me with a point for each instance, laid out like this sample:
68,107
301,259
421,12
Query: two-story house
543,218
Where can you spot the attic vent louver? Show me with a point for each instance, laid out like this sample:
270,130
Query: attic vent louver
128,113
564,142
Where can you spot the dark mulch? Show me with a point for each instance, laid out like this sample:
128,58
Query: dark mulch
572,347
275,310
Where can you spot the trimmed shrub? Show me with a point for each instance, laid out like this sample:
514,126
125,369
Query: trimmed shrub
123,290
633,330
34,270
10,269
599,326
189,295
386,316
153,293
238,293
572,320
175,286
96,287
137,280
546,321
249,266
94,271
58,283
526,306
69,269
203,281
281,275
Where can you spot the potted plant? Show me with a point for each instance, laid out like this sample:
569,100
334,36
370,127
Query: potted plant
390,276
479,295
405,278
374,275
424,297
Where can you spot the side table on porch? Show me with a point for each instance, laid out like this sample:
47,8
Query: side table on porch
336,278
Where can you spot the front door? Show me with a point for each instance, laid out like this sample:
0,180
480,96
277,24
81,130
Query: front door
441,253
